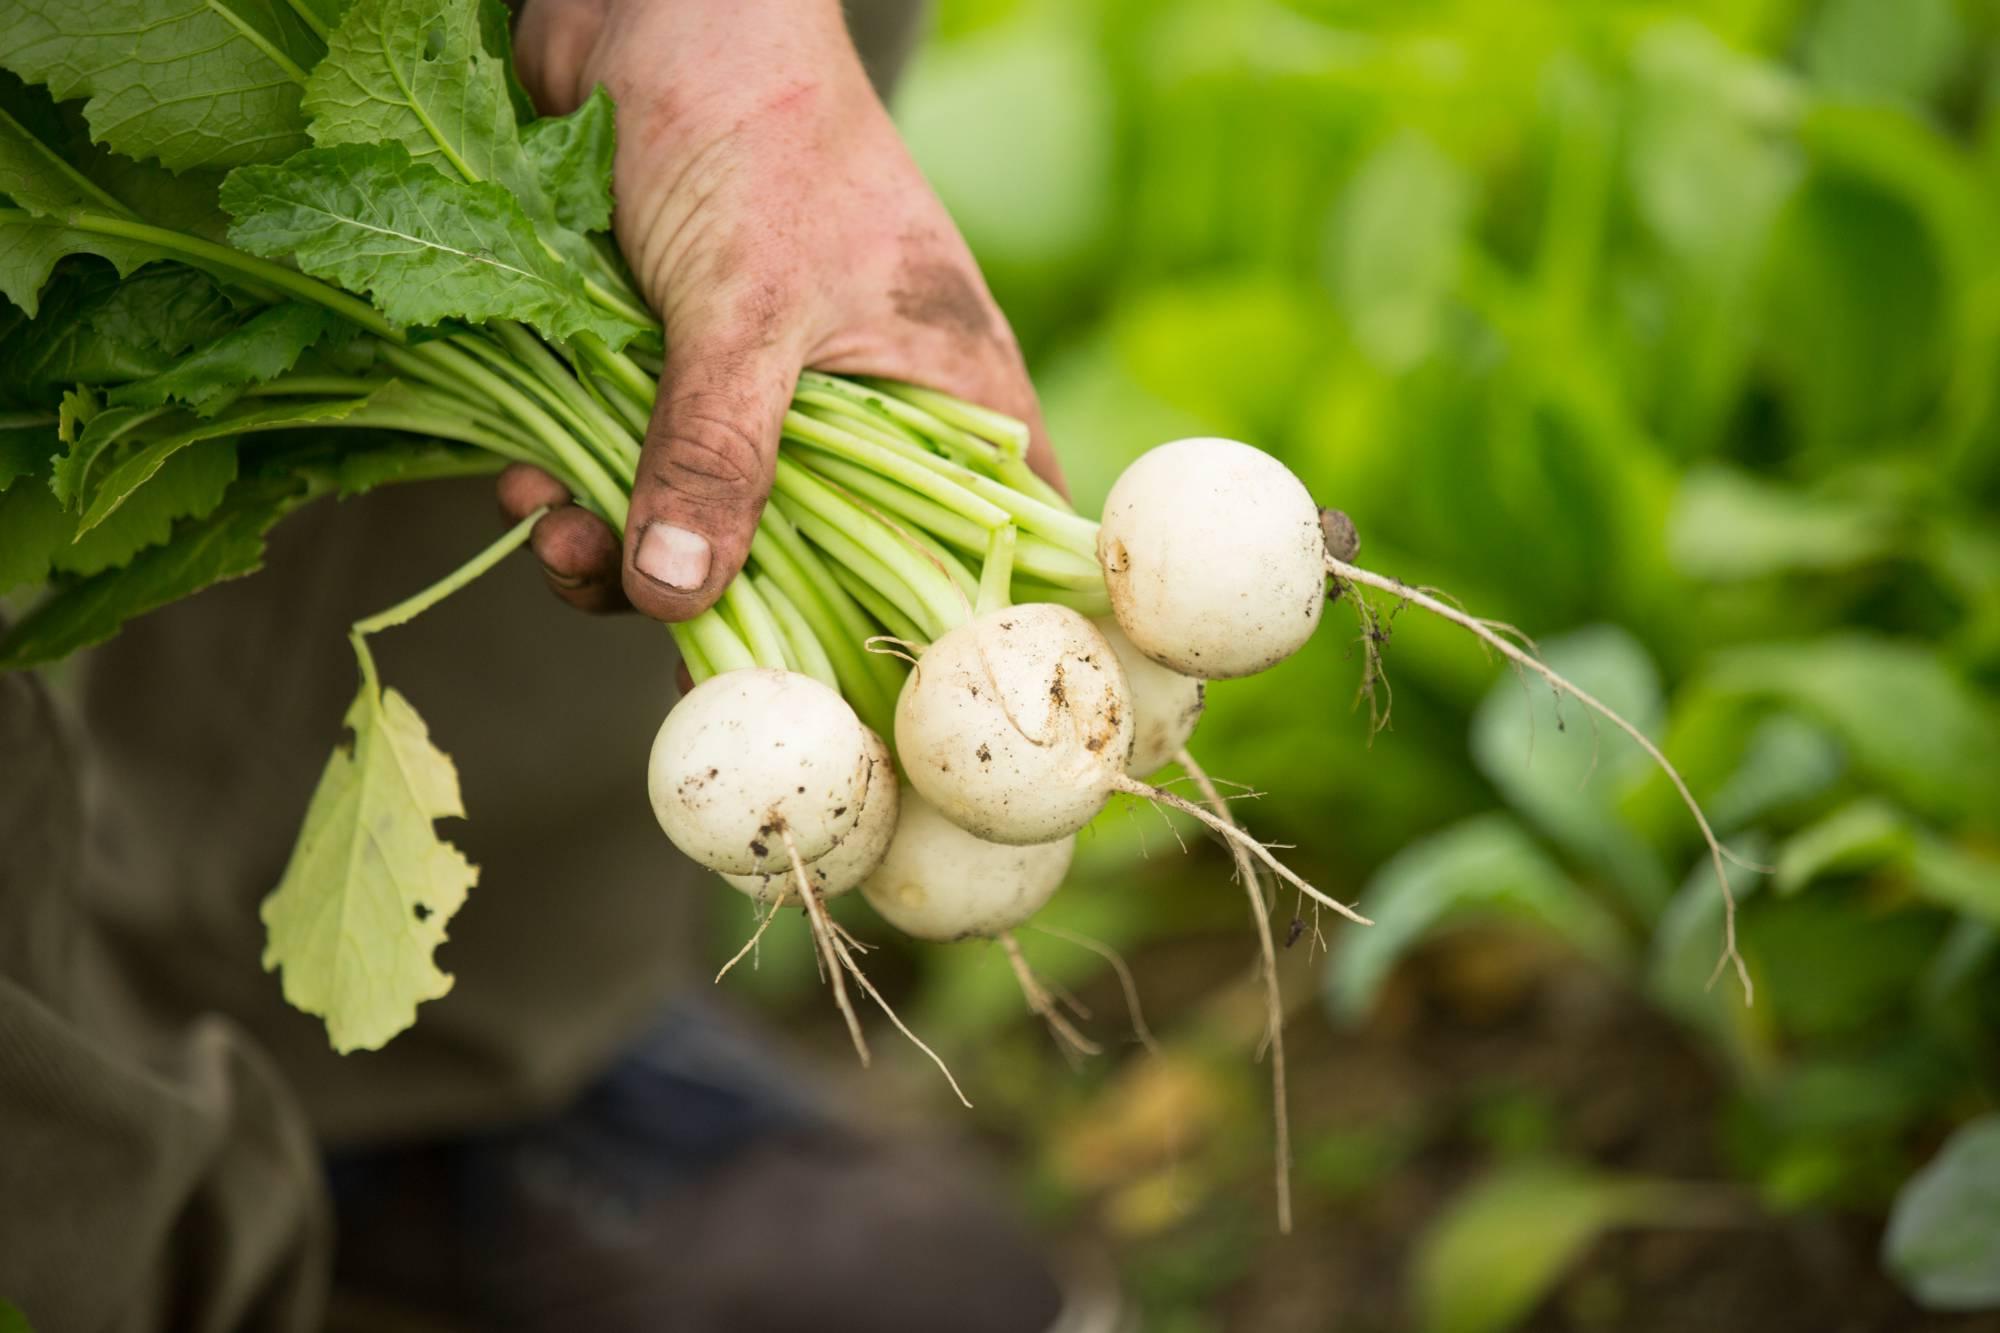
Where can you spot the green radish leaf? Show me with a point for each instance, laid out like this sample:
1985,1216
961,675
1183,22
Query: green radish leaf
12,1320
1943,1239
572,158
94,329
216,375
36,526
1503,1244
31,246
189,485
93,433
139,467
193,83
423,246
1484,867
44,132
24,450
370,887
416,72
225,545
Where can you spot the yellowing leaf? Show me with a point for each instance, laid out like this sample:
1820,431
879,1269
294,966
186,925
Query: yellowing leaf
364,902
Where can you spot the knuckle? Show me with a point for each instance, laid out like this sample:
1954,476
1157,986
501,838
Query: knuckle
710,453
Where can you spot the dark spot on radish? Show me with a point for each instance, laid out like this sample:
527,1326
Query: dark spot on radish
985,753
839,810
1343,539
423,912
760,848
802,791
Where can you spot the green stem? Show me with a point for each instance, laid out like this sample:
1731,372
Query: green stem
411,607
207,254
692,656
1010,434
816,585
880,607
719,645
856,538
962,446
809,653
639,387
996,576
584,473
932,485
550,369
760,630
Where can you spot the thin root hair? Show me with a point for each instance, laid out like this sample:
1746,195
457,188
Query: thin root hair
1126,982
1354,574
1072,1041
1274,1007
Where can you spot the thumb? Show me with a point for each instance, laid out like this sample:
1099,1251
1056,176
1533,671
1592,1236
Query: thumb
706,468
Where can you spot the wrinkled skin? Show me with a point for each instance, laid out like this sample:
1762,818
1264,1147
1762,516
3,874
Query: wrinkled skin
776,222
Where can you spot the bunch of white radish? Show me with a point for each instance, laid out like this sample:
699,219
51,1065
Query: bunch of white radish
1046,664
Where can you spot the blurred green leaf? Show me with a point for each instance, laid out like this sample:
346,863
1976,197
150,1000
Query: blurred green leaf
1858,836
1727,525
1564,767
1013,129
1957,878
1830,966
1857,305
1395,246
1787,760
1943,1241
1503,1244
1483,868
1864,48
1908,719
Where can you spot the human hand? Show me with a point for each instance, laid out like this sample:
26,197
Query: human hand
775,221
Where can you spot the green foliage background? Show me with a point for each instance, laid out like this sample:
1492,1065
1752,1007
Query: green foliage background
1666,332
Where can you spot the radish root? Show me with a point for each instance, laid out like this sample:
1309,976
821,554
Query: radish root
1487,633
1073,1042
830,948
1140,1028
861,980
777,903
1236,836
1274,1008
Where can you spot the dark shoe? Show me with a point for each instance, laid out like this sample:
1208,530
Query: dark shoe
698,1189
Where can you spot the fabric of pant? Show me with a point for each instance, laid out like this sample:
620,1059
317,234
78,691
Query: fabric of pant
163,1114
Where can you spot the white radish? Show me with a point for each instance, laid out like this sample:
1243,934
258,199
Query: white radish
750,754
1166,706
854,857
939,882
1213,558
1016,725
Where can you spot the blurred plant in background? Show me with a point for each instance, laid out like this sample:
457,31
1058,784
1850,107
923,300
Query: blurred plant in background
1666,332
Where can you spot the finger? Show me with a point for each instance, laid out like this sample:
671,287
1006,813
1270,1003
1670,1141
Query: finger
524,489
580,558
706,467
552,42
